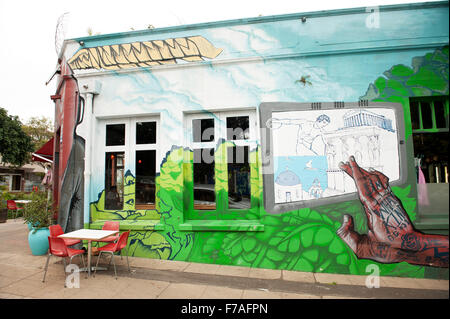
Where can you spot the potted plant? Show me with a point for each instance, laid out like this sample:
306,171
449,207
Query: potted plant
3,210
38,214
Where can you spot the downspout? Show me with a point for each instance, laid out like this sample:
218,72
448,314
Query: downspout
89,110
86,129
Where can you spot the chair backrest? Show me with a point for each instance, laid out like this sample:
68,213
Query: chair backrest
11,204
122,241
55,230
57,247
111,225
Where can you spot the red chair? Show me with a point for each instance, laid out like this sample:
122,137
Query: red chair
58,248
114,248
11,205
110,225
56,230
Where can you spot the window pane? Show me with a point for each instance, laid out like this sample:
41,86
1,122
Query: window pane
115,134
238,128
204,193
145,177
114,180
145,132
203,130
427,121
415,120
238,177
16,183
440,114
432,148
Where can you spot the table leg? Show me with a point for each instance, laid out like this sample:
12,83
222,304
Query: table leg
89,258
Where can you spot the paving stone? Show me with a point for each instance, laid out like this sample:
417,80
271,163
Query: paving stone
182,291
298,276
264,273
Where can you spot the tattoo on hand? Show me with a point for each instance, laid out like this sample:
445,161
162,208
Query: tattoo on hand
391,237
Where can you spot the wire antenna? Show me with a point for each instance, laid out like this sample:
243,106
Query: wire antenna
60,32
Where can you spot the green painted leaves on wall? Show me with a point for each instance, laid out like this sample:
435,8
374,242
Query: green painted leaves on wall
302,240
428,75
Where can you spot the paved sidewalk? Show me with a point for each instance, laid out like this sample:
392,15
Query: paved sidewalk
21,277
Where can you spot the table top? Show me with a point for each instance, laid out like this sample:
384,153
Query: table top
89,234
22,201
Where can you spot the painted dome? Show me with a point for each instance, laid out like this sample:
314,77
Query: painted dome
287,178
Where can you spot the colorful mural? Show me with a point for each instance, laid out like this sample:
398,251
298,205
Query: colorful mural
143,54
343,237
391,236
323,139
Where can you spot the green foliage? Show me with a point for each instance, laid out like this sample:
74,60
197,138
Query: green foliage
39,211
15,144
40,129
428,75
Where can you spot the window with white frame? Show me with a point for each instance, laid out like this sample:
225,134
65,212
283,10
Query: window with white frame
131,143
204,132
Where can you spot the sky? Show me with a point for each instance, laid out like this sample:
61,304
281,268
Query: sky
27,30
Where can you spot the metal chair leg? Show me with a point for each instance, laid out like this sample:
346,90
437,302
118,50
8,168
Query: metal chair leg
96,265
129,270
114,264
65,275
46,267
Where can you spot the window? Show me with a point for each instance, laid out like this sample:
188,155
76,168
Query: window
206,132
429,118
145,163
238,177
115,134
204,179
429,114
131,144
114,180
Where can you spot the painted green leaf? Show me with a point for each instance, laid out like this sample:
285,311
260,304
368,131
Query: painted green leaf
236,250
248,243
311,254
325,265
303,265
304,213
275,255
401,70
426,77
323,236
314,215
380,83
307,237
336,246
343,259
283,246
327,220
271,220
397,86
267,263
275,241
294,244
249,257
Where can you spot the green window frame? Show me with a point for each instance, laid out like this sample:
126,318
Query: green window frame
418,107
222,217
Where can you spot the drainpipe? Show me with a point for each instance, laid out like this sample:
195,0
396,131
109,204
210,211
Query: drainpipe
87,130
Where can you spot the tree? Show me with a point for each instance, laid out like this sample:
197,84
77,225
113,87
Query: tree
40,129
15,144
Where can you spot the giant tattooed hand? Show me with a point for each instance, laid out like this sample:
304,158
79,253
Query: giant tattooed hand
391,236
